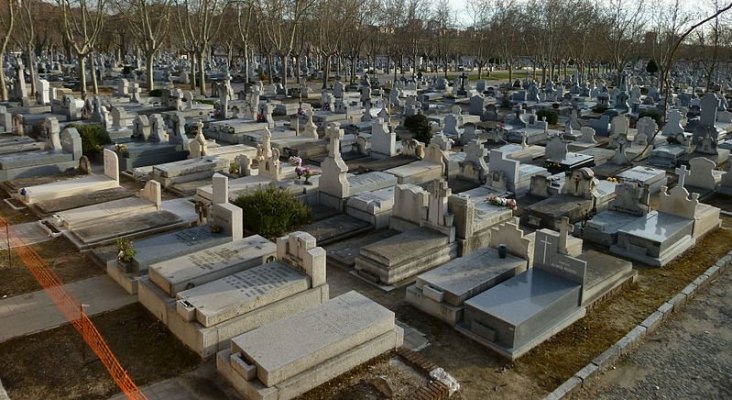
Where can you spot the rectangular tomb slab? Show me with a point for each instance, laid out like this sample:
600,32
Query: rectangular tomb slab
523,297
128,206
405,246
174,275
464,277
237,294
661,228
295,344
175,244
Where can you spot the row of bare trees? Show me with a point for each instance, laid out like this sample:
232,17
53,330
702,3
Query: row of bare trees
552,36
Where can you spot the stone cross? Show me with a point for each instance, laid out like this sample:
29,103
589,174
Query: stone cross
565,228
546,242
709,106
475,151
682,173
335,134
311,130
264,149
439,192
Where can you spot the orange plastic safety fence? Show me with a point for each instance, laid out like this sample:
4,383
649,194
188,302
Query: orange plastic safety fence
73,312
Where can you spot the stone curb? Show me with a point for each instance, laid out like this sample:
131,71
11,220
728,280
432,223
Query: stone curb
3,393
653,321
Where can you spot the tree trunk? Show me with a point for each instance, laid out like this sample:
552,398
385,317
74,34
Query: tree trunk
353,70
95,85
202,73
297,69
194,80
543,74
3,86
82,70
285,61
510,73
149,71
32,68
395,73
246,62
269,68
325,71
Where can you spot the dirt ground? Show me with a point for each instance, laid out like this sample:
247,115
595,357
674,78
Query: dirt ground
482,374
57,365
59,253
383,377
29,365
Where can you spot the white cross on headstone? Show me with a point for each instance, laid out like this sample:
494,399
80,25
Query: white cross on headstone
682,173
475,150
546,243
335,134
565,228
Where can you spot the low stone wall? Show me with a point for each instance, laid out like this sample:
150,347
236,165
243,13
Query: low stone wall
623,346
3,393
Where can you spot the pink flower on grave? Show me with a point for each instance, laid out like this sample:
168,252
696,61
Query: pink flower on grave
295,160
502,202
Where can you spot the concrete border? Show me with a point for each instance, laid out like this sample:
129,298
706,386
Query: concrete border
634,337
3,393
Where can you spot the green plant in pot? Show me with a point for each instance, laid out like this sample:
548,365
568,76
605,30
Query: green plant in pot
125,250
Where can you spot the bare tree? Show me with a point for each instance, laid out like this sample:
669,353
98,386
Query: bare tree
244,14
359,16
83,22
626,24
505,24
281,20
26,36
670,20
481,13
198,26
148,21
7,22
329,33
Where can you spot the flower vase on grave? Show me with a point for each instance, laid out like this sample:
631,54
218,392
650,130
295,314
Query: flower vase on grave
502,250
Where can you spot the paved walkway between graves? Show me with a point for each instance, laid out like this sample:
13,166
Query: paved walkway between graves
689,357
35,312
203,383
29,233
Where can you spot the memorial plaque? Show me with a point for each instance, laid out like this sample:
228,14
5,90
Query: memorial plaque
237,294
292,345
204,266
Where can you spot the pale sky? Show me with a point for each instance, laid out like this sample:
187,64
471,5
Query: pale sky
699,7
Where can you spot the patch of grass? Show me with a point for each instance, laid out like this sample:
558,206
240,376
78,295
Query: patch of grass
56,364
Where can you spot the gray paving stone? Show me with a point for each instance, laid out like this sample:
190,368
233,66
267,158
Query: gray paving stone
586,372
3,393
678,301
567,387
607,357
689,290
631,339
666,309
653,321
702,280
712,271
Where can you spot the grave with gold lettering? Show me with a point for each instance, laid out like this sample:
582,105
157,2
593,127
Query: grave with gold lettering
207,297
